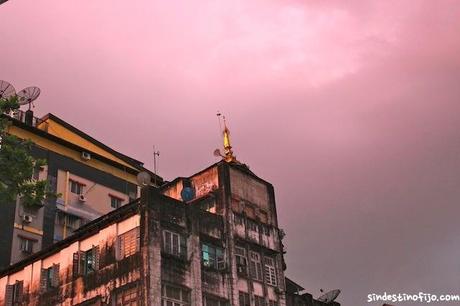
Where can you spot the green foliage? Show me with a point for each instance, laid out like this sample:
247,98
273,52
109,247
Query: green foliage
17,165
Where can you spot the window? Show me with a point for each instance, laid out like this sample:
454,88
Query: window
174,296
209,205
115,202
213,257
272,303
49,278
174,244
214,301
128,243
255,266
14,293
266,230
85,262
244,299
252,226
238,219
76,187
259,300
270,271
66,225
26,245
128,297
70,221
241,260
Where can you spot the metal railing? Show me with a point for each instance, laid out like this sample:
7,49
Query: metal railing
21,116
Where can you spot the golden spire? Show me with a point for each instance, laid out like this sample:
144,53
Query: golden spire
228,157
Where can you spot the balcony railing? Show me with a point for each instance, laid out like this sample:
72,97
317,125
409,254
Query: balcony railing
21,116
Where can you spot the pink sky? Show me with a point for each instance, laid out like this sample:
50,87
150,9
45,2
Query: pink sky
350,108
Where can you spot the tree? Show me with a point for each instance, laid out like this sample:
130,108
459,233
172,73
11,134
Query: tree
17,164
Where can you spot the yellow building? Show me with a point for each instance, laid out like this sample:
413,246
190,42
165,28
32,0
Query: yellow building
91,178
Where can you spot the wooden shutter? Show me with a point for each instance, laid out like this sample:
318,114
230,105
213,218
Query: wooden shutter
252,268
102,254
183,246
75,264
167,242
19,292
96,257
9,295
121,247
138,239
81,262
44,280
55,276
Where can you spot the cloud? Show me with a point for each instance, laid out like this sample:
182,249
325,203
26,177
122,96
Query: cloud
348,107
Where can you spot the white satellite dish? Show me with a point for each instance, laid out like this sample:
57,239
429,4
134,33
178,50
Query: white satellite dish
329,296
143,178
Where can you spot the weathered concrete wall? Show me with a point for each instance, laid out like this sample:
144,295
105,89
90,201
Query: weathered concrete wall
231,223
249,189
72,289
203,183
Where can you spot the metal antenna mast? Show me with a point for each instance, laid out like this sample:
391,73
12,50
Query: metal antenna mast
155,155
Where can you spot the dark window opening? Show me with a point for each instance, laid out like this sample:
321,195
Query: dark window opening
174,296
244,299
213,257
76,187
174,244
14,294
26,245
115,202
85,262
49,278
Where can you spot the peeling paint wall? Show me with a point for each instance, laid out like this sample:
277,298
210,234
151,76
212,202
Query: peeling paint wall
74,289
202,183
246,188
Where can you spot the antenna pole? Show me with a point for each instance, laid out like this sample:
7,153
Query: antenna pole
155,155
220,123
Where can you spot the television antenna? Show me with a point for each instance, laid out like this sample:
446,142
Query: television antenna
28,95
6,90
329,297
156,154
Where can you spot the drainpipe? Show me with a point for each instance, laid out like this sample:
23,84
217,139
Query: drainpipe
66,199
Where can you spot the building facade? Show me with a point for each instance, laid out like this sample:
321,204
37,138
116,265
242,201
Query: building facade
210,239
90,178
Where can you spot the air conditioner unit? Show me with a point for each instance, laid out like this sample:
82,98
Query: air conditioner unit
27,218
241,269
82,198
85,156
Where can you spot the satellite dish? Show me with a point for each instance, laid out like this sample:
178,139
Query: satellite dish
329,296
6,90
143,178
187,194
217,153
28,95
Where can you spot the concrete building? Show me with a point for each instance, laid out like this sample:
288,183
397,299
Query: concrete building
91,178
209,239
